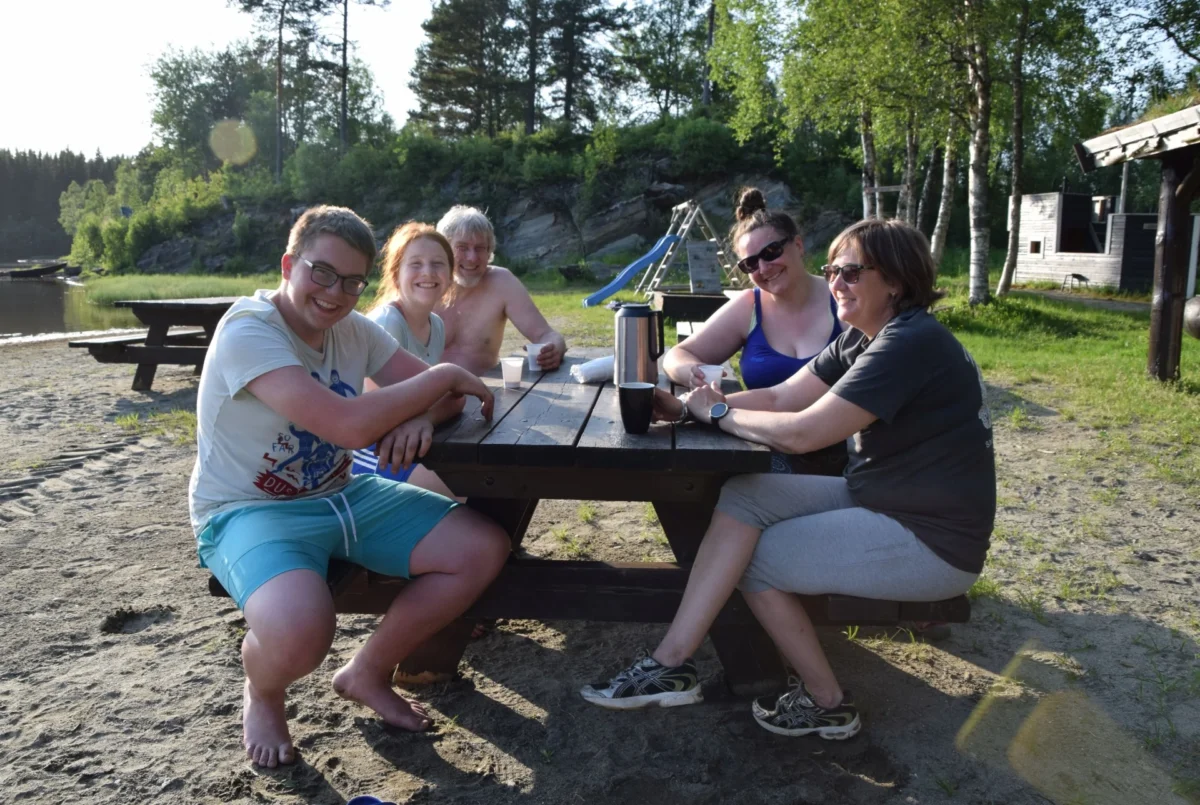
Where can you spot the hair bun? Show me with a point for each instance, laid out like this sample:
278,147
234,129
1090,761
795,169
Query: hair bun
751,201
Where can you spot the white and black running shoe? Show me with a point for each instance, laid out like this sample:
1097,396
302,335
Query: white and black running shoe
795,713
647,683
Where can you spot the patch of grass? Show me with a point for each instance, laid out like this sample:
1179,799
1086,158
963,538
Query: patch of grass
177,424
587,513
851,633
1106,496
1019,419
106,290
984,587
1032,603
560,534
649,514
948,787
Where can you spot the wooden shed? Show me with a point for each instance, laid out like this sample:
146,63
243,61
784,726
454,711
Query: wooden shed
1065,234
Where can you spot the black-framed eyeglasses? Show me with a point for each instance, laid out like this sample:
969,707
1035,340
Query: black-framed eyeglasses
771,251
849,272
326,277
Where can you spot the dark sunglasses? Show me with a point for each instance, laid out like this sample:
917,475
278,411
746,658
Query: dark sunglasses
326,277
849,272
769,252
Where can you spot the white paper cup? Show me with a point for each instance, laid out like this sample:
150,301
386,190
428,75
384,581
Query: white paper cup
712,373
511,368
532,351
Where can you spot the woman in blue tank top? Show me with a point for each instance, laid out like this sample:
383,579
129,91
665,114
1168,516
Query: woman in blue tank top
779,326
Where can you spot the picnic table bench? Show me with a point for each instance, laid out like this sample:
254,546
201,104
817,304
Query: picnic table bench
158,344
556,439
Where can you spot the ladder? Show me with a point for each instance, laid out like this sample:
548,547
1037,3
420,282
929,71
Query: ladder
683,217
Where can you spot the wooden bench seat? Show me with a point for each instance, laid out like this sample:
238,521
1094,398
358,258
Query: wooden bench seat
549,590
131,339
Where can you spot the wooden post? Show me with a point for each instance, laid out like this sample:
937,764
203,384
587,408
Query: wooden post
1171,244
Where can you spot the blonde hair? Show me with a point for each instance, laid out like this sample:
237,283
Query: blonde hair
462,221
341,221
393,257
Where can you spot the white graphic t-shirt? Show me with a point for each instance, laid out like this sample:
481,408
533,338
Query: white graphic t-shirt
246,451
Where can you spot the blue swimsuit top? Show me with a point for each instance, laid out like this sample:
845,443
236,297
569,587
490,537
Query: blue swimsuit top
763,366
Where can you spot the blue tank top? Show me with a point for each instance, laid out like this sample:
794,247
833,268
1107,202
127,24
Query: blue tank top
763,366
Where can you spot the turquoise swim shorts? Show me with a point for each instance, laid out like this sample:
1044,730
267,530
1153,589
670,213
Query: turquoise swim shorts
371,522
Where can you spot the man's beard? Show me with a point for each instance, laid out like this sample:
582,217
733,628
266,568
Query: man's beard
470,280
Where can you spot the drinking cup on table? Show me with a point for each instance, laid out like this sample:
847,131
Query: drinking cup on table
637,406
712,373
511,369
532,351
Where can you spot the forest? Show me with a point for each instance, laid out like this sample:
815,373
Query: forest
959,104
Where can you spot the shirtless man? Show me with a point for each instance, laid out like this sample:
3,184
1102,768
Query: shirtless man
485,297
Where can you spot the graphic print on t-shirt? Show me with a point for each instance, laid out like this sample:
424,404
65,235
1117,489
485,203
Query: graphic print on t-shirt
301,461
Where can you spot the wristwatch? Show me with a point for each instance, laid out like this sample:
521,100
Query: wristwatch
718,412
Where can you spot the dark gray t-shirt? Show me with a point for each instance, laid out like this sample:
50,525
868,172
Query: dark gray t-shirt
928,460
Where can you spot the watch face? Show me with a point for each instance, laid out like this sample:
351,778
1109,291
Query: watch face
718,410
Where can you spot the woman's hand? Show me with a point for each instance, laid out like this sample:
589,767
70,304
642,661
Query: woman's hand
696,378
666,407
702,400
405,443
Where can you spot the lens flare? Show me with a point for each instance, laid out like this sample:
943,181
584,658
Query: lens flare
233,142
1039,723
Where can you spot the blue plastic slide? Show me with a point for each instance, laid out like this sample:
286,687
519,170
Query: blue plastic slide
632,270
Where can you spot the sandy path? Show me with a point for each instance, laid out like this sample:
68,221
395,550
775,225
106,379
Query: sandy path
120,679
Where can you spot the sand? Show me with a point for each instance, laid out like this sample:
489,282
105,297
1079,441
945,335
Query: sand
1077,682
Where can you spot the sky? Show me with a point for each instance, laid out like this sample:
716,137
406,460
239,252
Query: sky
77,71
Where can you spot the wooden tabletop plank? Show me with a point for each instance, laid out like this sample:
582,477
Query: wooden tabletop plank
605,444
705,447
202,303
457,441
546,423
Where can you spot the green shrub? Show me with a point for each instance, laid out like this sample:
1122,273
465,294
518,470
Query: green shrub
143,233
87,247
114,233
310,172
542,168
243,231
424,159
701,147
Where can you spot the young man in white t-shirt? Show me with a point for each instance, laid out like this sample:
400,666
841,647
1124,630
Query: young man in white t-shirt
280,408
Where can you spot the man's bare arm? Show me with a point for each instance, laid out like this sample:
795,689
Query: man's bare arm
529,321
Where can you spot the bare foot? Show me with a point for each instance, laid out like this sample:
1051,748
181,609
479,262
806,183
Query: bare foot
352,683
264,729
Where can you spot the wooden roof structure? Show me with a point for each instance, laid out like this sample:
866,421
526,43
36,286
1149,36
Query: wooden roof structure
1174,140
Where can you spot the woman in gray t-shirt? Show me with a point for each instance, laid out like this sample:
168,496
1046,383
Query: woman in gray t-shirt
415,276
909,521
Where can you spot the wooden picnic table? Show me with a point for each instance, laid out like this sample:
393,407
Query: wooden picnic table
557,439
159,344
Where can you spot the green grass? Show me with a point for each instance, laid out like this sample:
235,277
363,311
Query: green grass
106,290
587,512
177,424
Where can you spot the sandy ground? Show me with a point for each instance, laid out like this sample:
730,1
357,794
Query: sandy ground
1077,680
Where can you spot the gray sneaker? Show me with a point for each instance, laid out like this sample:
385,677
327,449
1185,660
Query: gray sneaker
795,713
647,683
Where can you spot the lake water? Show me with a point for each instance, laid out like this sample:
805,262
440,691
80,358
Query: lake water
34,307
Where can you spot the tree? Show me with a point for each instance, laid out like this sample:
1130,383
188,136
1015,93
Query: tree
533,23
193,90
280,16
464,77
665,47
345,74
1052,50
579,57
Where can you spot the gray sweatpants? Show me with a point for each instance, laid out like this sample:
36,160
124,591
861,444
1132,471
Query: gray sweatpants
815,541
